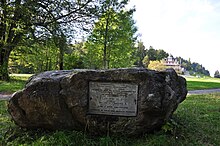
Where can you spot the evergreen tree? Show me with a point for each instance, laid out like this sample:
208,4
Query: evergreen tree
217,74
141,55
152,54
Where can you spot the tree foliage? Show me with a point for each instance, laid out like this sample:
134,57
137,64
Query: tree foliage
146,61
217,74
13,24
151,54
21,19
111,43
156,65
142,59
74,56
41,57
45,44
35,36
34,58
193,67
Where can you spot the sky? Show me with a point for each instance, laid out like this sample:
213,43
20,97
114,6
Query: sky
186,28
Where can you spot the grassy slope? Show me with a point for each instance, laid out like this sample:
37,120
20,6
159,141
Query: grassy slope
202,83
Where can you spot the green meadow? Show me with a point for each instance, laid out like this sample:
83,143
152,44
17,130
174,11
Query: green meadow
17,82
195,122
194,83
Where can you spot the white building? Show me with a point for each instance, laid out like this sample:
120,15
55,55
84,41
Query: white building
171,62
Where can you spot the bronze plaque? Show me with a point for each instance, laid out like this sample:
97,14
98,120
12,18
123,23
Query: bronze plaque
109,98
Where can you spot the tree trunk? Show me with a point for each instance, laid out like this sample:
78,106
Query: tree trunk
61,58
4,59
60,42
105,59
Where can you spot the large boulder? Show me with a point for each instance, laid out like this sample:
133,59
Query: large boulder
119,101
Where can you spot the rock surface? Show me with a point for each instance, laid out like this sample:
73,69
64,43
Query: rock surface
59,100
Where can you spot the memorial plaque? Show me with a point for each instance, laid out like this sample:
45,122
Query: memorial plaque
109,98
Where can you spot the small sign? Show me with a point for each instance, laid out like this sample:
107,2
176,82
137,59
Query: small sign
109,98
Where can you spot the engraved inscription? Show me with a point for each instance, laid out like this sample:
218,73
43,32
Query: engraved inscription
113,98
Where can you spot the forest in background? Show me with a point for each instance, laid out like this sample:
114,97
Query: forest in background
37,36
37,60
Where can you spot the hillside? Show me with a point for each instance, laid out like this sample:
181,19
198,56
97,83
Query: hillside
151,54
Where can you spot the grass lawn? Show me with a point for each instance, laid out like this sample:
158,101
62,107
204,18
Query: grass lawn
16,83
202,83
196,122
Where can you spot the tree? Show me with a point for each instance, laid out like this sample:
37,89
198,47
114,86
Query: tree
12,28
217,74
34,58
156,65
110,7
74,55
161,54
111,44
152,54
146,61
27,18
141,54
61,44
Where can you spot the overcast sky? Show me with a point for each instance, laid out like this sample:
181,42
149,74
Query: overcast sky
186,28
